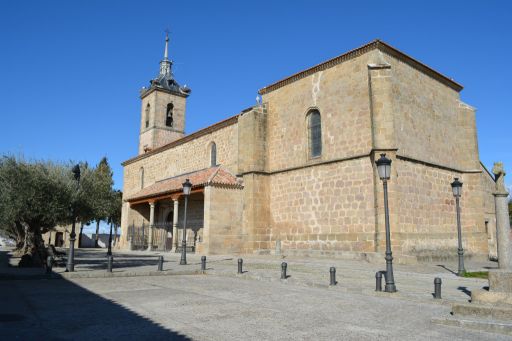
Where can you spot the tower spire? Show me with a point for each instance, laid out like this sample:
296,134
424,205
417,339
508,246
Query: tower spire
165,64
166,44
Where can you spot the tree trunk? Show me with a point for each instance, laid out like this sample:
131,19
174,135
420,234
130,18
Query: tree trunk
80,235
33,251
115,234
20,237
96,238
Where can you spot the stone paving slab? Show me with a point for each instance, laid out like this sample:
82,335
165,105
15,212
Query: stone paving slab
414,282
211,308
137,286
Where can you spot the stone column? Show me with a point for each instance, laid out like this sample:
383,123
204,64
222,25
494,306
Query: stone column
503,238
151,224
175,223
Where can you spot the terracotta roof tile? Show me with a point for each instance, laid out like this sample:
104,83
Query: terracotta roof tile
209,176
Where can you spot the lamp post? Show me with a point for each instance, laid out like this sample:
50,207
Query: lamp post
187,185
70,266
109,252
457,192
384,170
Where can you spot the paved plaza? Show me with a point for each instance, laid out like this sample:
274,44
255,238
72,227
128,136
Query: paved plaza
136,302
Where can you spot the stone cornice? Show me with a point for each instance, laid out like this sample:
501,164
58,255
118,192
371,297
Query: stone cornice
146,92
435,165
162,128
360,156
376,44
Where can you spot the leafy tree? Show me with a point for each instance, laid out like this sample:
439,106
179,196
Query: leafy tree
86,198
114,216
35,197
101,187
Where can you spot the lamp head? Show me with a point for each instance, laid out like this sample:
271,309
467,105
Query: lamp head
384,167
456,187
187,186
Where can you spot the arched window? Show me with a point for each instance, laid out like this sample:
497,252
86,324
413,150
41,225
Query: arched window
146,115
141,177
168,115
315,133
213,154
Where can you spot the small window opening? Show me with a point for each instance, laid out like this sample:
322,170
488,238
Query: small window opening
146,115
168,117
315,134
213,155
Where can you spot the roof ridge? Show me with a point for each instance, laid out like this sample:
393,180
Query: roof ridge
210,179
374,44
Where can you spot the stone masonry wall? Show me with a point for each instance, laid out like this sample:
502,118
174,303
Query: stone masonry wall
223,221
158,134
325,208
188,157
425,212
428,123
341,95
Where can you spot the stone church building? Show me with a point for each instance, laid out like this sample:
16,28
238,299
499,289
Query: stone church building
296,172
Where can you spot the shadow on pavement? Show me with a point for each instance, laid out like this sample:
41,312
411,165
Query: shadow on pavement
465,290
448,269
62,310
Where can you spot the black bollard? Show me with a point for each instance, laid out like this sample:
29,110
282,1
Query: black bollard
110,260
283,270
437,288
160,263
240,264
49,264
378,281
332,272
203,264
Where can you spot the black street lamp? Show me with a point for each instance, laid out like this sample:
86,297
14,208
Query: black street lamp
187,185
384,170
457,192
109,252
70,266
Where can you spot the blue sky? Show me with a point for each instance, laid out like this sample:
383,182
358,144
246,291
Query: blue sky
70,71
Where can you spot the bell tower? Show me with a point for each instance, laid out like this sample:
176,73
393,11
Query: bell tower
163,108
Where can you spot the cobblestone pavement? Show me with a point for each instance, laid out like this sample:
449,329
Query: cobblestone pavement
221,305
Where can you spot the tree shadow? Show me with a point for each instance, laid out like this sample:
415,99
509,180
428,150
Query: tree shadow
448,269
61,310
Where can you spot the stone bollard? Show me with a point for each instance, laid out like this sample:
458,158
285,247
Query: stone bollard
378,281
240,264
437,288
160,263
110,260
49,264
283,270
332,272
203,264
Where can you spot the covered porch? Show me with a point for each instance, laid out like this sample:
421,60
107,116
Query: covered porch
157,211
